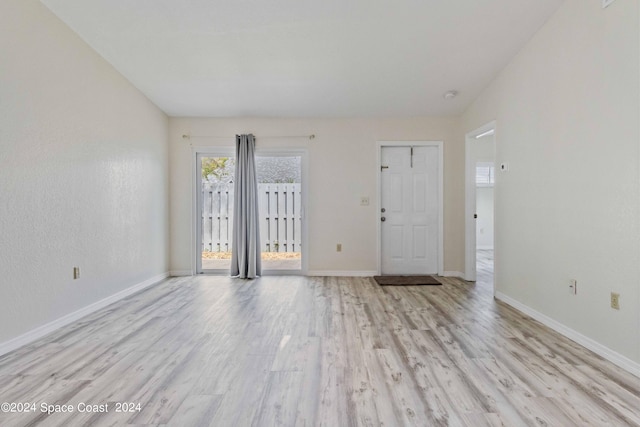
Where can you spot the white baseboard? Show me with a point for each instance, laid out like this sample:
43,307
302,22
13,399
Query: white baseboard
609,354
47,328
366,273
341,273
180,273
453,274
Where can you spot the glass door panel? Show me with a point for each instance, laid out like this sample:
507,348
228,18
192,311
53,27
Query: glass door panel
280,202
216,212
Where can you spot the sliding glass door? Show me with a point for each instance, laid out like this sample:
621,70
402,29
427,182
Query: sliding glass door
215,201
280,204
280,208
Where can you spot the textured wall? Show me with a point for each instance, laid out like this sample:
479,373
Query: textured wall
83,173
567,110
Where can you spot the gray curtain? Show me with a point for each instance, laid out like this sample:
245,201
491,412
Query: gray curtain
245,243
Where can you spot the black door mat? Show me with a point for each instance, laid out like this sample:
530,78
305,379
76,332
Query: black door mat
406,280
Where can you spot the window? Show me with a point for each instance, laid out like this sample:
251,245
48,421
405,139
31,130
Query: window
485,174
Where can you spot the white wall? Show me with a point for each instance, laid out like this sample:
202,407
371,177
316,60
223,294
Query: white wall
484,149
83,173
342,167
567,110
484,224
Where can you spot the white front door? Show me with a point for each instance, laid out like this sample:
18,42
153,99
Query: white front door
409,202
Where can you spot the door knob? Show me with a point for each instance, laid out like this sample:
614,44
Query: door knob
383,219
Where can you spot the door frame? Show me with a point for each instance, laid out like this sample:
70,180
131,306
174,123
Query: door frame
303,153
440,146
196,223
229,151
470,203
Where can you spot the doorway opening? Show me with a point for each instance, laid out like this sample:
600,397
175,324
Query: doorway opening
280,206
485,180
480,202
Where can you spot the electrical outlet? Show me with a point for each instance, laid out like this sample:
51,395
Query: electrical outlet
364,201
615,301
339,247
76,273
573,286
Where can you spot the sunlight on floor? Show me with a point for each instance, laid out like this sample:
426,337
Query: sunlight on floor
270,260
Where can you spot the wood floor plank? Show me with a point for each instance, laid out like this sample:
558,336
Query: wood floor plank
280,397
317,351
293,353
195,410
308,404
242,399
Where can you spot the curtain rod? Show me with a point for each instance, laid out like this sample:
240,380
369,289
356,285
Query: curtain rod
189,136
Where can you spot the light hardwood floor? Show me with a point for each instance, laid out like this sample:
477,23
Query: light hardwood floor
484,267
285,351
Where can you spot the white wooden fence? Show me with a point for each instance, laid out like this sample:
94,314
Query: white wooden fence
279,209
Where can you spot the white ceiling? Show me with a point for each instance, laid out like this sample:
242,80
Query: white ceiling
307,58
